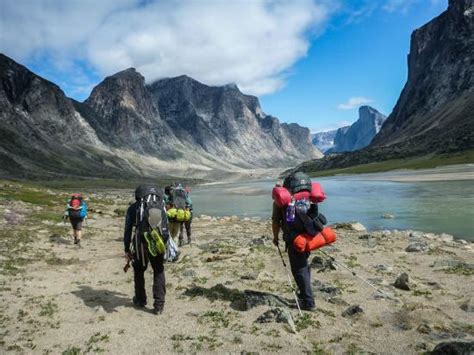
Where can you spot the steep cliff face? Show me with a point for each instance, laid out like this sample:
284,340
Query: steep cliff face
360,133
39,126
125,115
324,140
436,107
224,122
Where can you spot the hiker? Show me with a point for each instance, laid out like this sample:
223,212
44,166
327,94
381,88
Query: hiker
178,212
76,211
187,224
295,212
148,220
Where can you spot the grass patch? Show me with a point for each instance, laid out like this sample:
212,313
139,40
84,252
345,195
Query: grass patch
306,321
424,162
316,349
48,309
460,269
216,319
72,350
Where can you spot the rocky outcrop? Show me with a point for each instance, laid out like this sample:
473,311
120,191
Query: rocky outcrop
360,133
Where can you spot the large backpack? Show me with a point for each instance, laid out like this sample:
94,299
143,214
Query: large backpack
179,211
149,223
72,208
301,213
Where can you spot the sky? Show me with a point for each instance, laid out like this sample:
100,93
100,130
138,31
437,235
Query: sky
313,62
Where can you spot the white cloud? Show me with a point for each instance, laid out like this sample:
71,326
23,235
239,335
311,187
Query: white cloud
354,102
251,43
398,5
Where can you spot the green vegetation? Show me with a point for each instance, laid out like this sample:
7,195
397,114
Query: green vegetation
306,321
460,269
424,162
72,350
216,319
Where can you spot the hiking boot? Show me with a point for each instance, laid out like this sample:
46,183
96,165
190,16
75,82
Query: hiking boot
137,303
180,242
158,310
189,241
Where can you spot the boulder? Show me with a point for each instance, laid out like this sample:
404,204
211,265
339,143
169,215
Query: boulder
416,247
322,264
352,310
353,226
446,238
388,216
402,282
279,315
454,348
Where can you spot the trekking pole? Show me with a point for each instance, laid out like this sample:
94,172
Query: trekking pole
289,280
354,274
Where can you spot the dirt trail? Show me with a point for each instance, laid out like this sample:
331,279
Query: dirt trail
58,298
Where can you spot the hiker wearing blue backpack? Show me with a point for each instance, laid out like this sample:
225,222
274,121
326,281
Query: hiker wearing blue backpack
76,211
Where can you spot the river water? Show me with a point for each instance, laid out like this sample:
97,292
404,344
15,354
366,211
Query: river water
438,207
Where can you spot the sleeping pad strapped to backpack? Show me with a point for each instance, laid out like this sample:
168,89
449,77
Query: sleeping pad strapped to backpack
149,222
179,212
77,208
299,198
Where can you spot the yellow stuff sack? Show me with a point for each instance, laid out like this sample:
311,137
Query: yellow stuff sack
171,213
180,215
187,215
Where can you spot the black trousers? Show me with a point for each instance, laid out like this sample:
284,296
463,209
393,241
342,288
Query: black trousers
159,283
302,274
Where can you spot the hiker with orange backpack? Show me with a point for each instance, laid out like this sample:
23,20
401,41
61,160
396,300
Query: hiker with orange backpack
295,212
76,211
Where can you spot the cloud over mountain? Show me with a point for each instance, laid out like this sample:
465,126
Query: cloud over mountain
251,43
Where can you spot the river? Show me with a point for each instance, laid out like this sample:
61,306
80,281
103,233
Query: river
429,206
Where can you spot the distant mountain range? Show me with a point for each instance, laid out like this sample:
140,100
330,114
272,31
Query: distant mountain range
353,137
435,111
174,126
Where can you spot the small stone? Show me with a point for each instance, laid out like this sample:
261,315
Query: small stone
416,235
354,226
234,218
250,276
416,247
99,309
402,282
352,310
279,315
189,273
446,238
467,307
424,328
257,242
388,216
462,241
454,347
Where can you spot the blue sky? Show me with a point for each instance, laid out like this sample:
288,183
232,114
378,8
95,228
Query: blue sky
309,61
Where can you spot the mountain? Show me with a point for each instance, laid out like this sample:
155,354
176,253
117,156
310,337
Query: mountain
360,133
435,111
125,128
324,140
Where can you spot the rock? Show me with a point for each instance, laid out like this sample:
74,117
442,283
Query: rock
402,282
354,226
205,218
416,247
250,276
99,310
388,216
446,238
454,348
257,298
352,310
467,306
322,264
234,218
257,242
462,241
326,288
279,315
189,273
424,328
337,301
416,235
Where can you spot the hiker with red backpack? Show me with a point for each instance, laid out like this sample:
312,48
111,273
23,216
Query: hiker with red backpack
76,211
146,240
295,212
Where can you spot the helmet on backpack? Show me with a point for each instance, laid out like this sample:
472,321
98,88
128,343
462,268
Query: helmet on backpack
296,182
144,190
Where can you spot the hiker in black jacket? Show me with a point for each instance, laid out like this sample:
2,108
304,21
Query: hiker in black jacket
144,216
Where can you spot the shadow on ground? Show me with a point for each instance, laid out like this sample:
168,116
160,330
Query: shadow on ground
109,300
